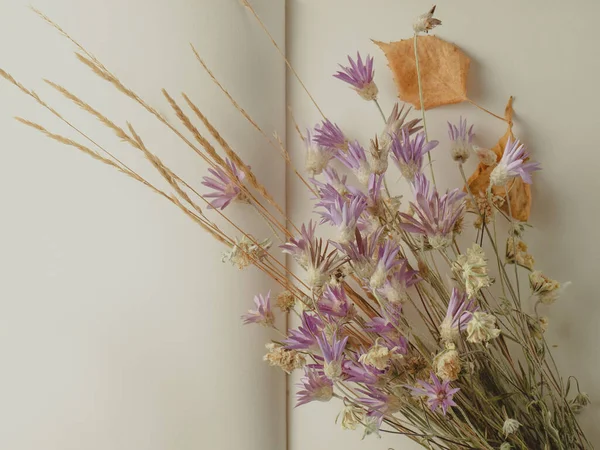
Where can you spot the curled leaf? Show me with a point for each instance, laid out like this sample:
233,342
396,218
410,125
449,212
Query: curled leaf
443,66
519,191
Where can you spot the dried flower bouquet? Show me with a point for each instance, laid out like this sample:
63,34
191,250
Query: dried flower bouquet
400,321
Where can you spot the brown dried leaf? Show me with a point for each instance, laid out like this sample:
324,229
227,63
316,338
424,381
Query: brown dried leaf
443,66
519,192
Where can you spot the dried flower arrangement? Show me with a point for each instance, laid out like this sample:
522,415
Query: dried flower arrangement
447,356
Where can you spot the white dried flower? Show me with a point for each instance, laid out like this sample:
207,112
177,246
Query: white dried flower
544,288
440,241
447,363
505,446
371,424
426,22
579,402
472,269
288,360
378,356
482,328
378,157
317,156
245,252
486,156
286,301
521,256
351,417
510,426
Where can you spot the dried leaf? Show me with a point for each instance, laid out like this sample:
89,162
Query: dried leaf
519,192
443,66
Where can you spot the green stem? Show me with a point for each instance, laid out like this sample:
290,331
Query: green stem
422,104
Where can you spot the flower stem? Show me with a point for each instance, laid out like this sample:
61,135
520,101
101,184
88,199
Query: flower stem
512,223
422,105
380,110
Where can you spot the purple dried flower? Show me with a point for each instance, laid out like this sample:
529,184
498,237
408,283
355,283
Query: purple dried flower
226,186
360,75
317,156
334,302
395,125
300,248
435,215
459,314
314,386
362,253
263,314
305,337
358,372
512,164
333,354
330,136
438,393
461,138
386,261
408,153
342,213
333,182
396,285
378,401
356,160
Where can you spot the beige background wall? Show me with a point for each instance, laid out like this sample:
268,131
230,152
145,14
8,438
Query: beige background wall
544,53
119,325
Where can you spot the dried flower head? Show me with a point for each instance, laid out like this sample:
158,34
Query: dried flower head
372,424
482,328
333,354
408,153
544,288
330,136
461,139
279,356
395,125
246,252
377,157
459,314
472,270
360,76
580,401
378,356
516,252
317,156
286,301
263,314
447,363
510,426
426,22
483,207
512,164
314,386
439,393
351,417
225,185
505,446
486,156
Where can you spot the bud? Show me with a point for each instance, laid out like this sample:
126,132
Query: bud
426,22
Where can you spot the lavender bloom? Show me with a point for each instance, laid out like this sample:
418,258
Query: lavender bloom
334,302
408,154
343,214
226,186
360,76
356,160
300,248
305,337
362,253
263,314
394,289
436,215
438,393
358,372
330,136
314,386
378,401
512,164
421,186
333,354
395,125
459,314
386,261
461,138
333,182
317,156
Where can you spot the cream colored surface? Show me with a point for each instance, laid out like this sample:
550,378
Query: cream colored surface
119,326
543,53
